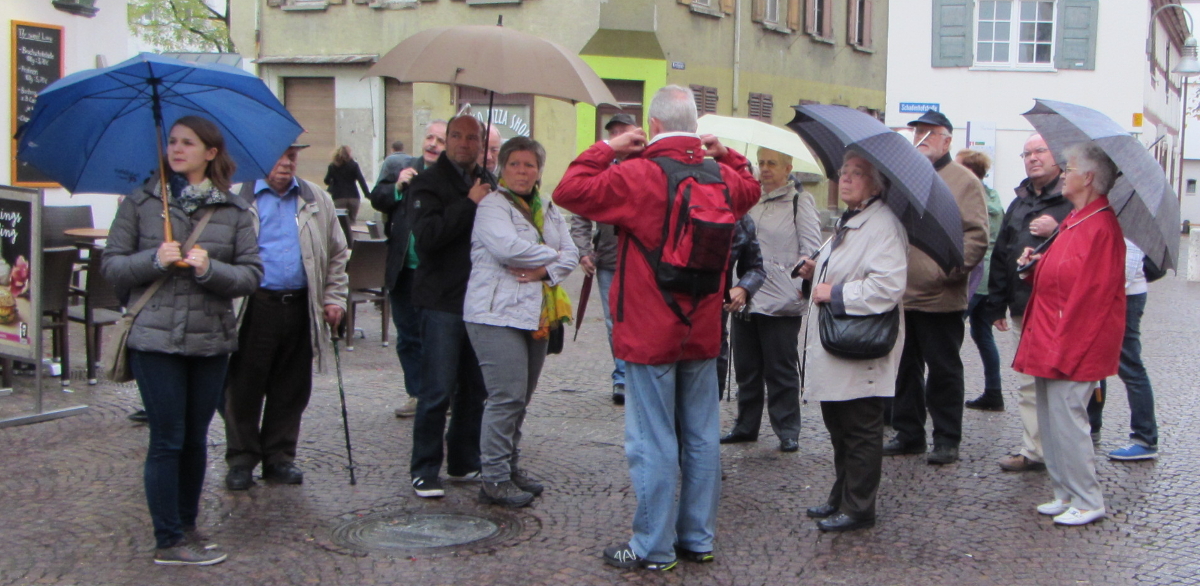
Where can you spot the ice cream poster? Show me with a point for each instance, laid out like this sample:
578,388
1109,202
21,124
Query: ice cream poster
16,307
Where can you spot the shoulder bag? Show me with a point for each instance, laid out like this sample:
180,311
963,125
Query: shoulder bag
857,337
116,356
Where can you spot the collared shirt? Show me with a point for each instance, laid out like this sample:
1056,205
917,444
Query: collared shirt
663,135
279,237
467,176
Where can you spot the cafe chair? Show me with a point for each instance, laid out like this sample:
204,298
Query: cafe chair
101,307
58,265
56,219
366,272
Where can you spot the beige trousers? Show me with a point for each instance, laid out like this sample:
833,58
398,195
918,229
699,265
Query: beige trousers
1031,439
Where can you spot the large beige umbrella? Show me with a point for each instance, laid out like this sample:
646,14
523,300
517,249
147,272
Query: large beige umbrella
495,58
753,133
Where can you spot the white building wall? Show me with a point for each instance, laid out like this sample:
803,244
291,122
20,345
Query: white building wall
1115,87
103,39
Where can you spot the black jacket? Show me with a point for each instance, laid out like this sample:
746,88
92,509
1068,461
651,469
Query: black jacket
1006,290
341,180
443,216
398,213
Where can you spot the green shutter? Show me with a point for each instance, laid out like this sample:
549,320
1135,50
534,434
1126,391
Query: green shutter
953,21
1076,43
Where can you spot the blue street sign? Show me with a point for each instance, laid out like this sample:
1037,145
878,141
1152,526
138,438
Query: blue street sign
918,108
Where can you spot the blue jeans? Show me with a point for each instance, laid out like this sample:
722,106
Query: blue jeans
606,278
408,331
449,373
180,394
981,333
672,428
1142,423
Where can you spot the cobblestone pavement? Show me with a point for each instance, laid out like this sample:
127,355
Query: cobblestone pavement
73,509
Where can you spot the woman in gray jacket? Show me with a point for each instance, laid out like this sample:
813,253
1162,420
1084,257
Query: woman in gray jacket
521,251
180,342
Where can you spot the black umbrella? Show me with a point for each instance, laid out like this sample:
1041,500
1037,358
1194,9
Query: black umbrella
1146,205
916,194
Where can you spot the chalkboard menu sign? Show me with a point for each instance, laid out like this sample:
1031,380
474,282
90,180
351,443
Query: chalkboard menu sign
37,62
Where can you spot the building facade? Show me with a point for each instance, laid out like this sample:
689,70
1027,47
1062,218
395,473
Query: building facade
982,63
751,58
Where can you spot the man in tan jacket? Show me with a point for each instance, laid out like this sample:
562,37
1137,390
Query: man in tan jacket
934,302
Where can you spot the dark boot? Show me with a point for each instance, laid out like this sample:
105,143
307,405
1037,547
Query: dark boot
990,400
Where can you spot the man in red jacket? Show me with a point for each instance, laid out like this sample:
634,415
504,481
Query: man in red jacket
671,407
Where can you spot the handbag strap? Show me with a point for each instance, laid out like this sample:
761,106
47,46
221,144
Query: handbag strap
191,241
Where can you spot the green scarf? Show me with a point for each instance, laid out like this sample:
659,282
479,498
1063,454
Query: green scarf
556,304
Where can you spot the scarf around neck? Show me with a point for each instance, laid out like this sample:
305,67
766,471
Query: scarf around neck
191,197
556,304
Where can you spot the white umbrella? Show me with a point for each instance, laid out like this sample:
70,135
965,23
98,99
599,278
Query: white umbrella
753,133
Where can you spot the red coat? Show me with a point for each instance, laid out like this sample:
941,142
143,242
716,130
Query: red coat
633,197
1075,321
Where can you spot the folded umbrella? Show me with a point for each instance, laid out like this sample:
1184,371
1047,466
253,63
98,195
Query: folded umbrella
1146,205
915,192
585,292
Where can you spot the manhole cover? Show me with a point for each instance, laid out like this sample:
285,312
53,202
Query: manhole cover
402,532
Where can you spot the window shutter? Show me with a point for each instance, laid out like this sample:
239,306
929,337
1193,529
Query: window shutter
953,21
868,16
758,10
1076,46
852,17
793,15
728,6
827,19
706,99
810,16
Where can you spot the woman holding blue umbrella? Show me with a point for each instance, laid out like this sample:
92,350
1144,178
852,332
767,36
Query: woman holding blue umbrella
181,339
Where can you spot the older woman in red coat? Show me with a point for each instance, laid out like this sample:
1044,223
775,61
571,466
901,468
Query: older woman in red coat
1074,325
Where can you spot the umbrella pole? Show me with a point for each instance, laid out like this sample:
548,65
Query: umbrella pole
487,134
162,182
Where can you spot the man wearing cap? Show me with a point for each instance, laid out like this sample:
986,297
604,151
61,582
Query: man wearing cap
401,266
285,325
934,303
597,244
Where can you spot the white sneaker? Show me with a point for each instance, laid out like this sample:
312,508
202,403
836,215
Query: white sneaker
1053,508
1075,516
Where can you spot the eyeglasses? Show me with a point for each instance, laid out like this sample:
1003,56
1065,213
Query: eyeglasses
851,173
1038,151
1069,170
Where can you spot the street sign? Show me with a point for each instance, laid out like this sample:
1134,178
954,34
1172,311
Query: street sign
918,107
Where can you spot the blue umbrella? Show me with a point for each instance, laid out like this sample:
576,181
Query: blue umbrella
102,131
915,192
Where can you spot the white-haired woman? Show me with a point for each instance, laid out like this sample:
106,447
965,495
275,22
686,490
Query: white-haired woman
862,271
521,250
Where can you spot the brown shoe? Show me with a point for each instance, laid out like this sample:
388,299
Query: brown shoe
1019,463
408,409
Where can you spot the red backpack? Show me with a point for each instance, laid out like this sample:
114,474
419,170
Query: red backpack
697,234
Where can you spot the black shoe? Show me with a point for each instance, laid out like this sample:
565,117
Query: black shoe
283,473
844,522
789,445
696,557
894,447
987,402
138,416
239,478
821,511
943,455
505,494
618,394
737,438
622,556
428,488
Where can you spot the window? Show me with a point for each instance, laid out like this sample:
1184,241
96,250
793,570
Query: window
1015,33
761,107
771,11
706,99
1191,187
818,20
861,15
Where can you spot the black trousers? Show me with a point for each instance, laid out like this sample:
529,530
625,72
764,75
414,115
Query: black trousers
270,381
856,431
933,340
766,356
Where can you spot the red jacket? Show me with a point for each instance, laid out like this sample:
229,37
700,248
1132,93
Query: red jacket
633,197
1075,319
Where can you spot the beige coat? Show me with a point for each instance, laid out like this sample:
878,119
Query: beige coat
788,228
325,253
931,289
868,271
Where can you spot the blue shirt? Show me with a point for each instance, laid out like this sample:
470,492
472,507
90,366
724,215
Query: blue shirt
279,237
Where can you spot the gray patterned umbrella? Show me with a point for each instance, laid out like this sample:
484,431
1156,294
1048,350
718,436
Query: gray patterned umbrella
1146,205
916,194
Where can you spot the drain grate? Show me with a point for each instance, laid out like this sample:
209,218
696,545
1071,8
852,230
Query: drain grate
402,532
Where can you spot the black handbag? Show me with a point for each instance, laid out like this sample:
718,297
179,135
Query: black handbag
858,337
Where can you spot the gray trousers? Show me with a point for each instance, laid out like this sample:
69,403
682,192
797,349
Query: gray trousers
1067,441
511,361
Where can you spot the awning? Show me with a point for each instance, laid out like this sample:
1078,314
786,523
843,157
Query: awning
318,59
